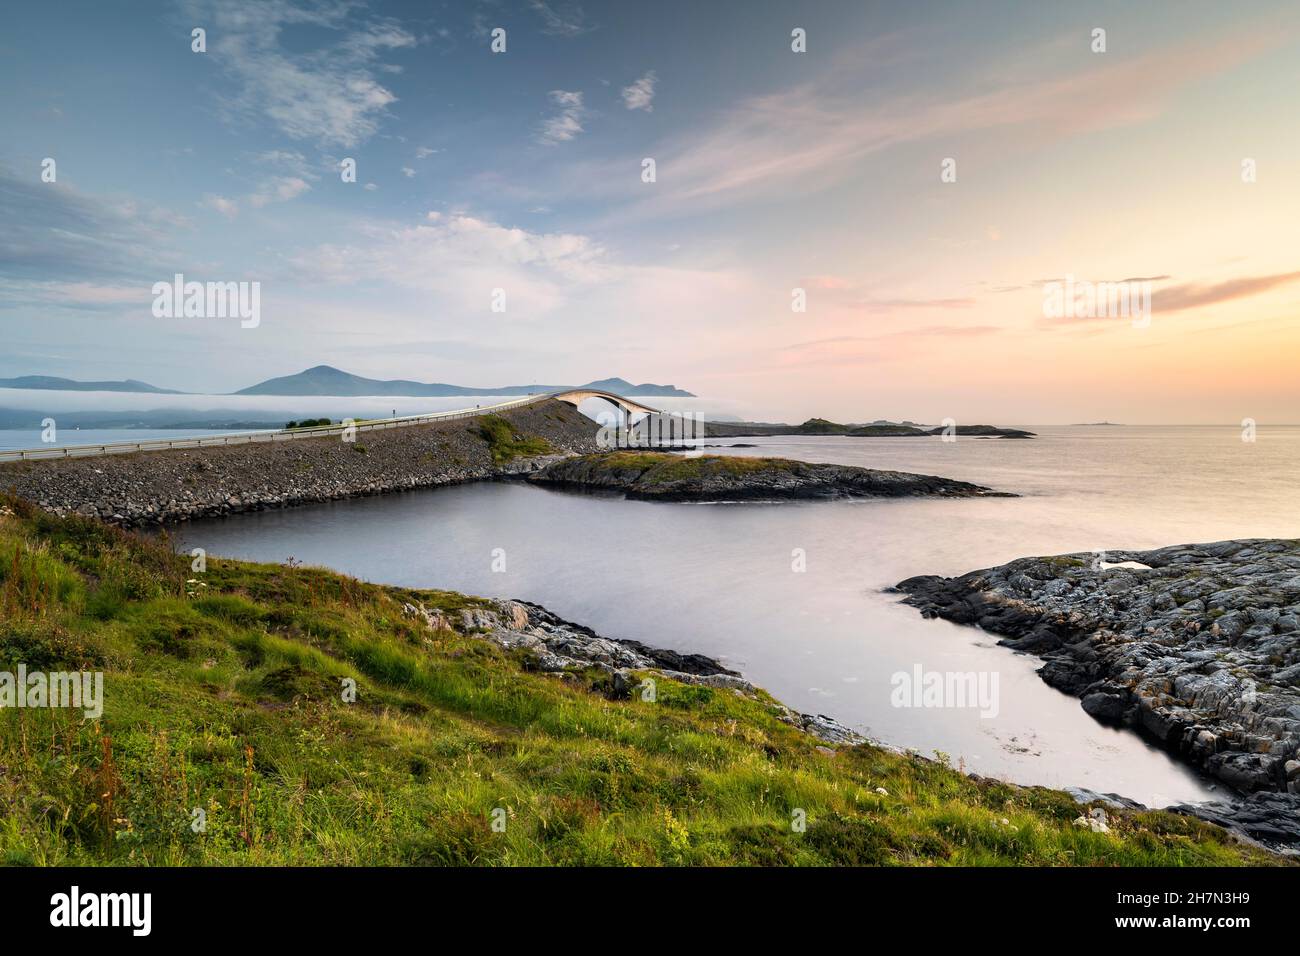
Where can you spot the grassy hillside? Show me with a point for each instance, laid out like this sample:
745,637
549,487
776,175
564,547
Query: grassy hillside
223,693
505,444
658,467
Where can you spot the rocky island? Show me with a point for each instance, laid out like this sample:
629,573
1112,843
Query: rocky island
1196,646
876,429
657,476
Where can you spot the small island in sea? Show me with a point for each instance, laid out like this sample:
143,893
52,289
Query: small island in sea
660,476
877,429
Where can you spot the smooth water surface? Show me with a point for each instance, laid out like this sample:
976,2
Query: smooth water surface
719,578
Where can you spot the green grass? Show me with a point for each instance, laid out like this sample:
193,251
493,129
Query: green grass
662,467
226,698
505,444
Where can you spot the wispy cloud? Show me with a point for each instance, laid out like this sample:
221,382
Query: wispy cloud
1195,295
461,258
1179,298
279,189
850,350
567,122
55,233
77,296
1039,283
561,19
812,136
221,205
290,161
964,331
850,294
449,265
641,94
329,94
274,190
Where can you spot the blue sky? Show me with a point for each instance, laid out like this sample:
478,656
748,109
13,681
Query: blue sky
776,170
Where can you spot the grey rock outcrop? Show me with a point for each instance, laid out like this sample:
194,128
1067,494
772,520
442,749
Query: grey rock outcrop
1195,646
658,477
559,646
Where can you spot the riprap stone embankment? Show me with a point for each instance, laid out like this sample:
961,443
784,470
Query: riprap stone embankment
156,487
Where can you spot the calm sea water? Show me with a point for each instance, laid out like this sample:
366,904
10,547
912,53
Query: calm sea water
718,578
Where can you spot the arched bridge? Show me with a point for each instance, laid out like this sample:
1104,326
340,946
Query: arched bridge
576,396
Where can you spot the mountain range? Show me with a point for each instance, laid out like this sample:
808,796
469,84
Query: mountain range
69,385
327,380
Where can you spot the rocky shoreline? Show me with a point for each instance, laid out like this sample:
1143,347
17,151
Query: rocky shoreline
651,476
1186,651
155,488
158,487
555,645
1195,646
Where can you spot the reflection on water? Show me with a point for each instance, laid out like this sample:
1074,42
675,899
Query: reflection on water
720,579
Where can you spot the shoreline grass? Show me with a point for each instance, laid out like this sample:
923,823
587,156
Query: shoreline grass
505,444
223,695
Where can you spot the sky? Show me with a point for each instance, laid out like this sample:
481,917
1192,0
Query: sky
923,172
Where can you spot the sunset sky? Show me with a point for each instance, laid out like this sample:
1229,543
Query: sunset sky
776,170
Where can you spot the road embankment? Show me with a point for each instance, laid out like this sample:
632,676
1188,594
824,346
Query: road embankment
159,487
